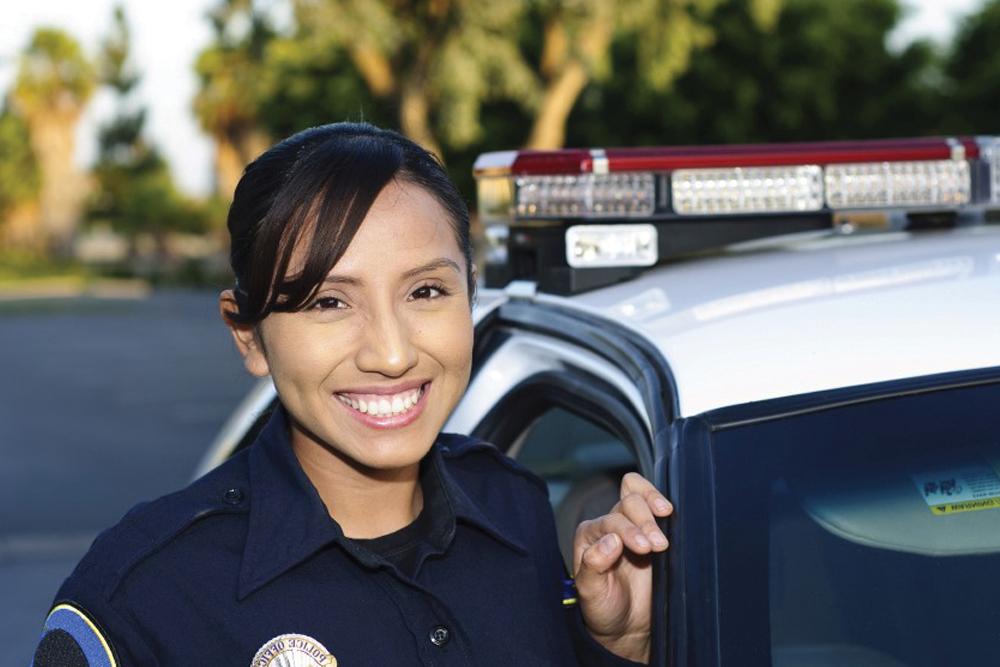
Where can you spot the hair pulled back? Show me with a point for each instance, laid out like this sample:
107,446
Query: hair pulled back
316,188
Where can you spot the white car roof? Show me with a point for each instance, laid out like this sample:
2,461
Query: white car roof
815,313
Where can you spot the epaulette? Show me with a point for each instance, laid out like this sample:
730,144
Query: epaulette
455,446
149,526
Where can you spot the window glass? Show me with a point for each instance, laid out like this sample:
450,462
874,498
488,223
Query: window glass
582,464
867,535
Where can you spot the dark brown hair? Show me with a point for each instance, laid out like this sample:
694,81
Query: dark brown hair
321,182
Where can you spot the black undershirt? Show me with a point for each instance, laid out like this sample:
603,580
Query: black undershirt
426,534
401,547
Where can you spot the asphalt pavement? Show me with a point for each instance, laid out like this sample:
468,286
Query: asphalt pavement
104,402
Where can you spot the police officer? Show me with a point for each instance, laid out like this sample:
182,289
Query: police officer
352,532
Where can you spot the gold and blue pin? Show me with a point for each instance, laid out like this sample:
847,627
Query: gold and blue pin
569,592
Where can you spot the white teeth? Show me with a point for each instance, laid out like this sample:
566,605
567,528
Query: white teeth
385,407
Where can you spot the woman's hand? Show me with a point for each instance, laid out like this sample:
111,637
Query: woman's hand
613,568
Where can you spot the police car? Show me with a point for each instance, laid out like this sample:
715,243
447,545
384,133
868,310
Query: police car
800,345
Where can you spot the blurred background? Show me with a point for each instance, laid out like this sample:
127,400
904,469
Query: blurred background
125,127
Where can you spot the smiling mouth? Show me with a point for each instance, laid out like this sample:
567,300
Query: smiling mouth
382,406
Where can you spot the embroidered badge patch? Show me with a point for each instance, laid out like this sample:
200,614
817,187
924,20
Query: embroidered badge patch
65,619
293,651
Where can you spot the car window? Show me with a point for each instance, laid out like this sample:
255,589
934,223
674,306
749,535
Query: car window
582,464
854,535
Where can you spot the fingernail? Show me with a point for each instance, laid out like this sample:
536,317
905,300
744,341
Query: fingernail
658,539
607,544
641,539
662,505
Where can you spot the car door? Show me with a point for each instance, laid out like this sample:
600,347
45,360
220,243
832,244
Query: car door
580,401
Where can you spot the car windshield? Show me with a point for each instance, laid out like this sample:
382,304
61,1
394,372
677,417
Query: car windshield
865,535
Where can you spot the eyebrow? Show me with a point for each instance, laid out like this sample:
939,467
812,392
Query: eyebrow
440,263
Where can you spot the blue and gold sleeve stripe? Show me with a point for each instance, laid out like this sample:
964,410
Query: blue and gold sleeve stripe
71,639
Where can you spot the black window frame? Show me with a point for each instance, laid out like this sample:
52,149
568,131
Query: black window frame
643,364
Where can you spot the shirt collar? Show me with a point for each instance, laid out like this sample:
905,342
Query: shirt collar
289,522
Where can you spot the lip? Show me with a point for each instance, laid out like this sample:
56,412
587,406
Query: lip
385,389
390,421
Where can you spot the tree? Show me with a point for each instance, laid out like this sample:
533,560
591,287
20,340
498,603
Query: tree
228,100
53,85
437,63
576,50
973,71
135,192
432,63
818,70
19,178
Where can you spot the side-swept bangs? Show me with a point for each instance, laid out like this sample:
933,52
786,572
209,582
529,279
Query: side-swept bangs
307,197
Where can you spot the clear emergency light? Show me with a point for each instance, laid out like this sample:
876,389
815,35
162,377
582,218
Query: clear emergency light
571,213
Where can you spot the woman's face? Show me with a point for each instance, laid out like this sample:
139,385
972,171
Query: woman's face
377,361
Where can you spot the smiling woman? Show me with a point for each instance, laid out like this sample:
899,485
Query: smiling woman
353,531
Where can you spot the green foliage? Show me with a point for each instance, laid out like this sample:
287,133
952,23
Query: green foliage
823,71
230,70
115,65
303,86
53,75
973,69
20,179
135,192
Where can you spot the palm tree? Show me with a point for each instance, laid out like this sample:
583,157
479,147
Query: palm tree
53,85
226,103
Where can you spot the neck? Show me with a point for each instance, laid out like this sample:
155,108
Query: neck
365,502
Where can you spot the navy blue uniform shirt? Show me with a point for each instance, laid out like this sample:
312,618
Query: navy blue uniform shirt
246,567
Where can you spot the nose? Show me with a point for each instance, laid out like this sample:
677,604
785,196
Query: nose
386,346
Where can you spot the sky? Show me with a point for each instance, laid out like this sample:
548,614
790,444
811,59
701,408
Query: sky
167,37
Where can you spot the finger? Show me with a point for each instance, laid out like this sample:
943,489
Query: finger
636,509
633,482
596,560
631,535
589,533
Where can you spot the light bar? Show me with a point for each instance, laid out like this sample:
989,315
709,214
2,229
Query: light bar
916,183
747,190
586,195
990,152
598,246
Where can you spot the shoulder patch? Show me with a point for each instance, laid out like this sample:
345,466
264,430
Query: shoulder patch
71,639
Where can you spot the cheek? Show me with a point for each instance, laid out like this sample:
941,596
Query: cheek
303,354
448,338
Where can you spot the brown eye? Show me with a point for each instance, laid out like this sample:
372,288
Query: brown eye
328,303
429,292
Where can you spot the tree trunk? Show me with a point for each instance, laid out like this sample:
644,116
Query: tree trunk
63,187
414,117
233,152
549,128
568,71
23,228
228,167
374,69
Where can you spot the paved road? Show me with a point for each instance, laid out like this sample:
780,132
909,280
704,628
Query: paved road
103,403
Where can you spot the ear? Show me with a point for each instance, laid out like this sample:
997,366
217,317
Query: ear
245,336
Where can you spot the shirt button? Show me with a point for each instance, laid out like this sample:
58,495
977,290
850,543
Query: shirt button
233,496
440,635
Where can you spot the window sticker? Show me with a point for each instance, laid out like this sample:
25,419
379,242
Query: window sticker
966,488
